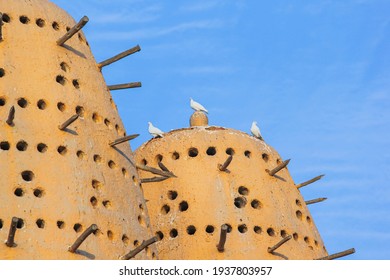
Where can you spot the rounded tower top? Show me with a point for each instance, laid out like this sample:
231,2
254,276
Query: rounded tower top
199,118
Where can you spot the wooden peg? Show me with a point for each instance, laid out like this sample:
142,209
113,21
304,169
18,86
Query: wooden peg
278,168
82,237
315,200
163,167
309,181
280,243
140,248
153,179
68,122
12,231
222,238
339,255
155,170
124,86
119,56
73,31
123,139
11,116
224,166
1,27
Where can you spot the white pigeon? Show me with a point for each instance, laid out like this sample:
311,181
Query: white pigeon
256,130
197,107
154,131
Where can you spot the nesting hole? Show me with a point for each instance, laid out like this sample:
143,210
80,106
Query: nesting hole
62,150
96,184
41,147
183,206
243,190
159,158
64,66
80,111
2,101
20,223
60,224
298,203
106,203
40,22
80,154
97,158
21,146
60,79
38,192
265,157
240,202
93,201
22,102
1,223
242,228
125,239
77,227
110,234
144,162
256,204
271,232
295,236
61,106
173,233
165,209
4,146
308,220
211,151
24,19
136,243
160,235
229,228
230,151
298,214
257,229
55,25
67,28
40,223
2,72
19,192
247,154
306,239
96,118
112,164
191,230
210,229
125,173
76,83
27,175
108,123
283,233
6,18
172,195
193,152
41,104
175,155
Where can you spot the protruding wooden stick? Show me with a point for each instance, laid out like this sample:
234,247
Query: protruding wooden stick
73,31
309,181
153,179
339,255
280,243
278,168
11,116
222,238
82,237
140,248
155,170
124,86
163,167
68,122
119,56
315,200
123,139
11,235
224,166
1,27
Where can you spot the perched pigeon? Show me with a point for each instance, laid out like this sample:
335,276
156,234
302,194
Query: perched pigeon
154,131
256,130
197,107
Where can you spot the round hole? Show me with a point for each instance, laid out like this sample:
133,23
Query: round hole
80,111
210,229
211,151
175,156
295,236
4,145
106,203
55,25
38,193
21,146
40,22
61,106
229,228
62,150
1,223
76,83
230,151
308,220
173,233
125,239
22,102
27,175
110,234
278,161
40,223
67,28
125,173
20,223
19,192
60,79
298,214
165,209
24,19
97,158
96,118
159,158
265,157
172,195
240,202
60,224
191,230
243,190
41,147
2,72
306,239
64,66
247,154
193,152
6,18
298,203
77,227
316,243
257,229
160,235
271,232
96,184
80,154
41,104
144,162
93,201
111,164
256,204
2,101
108,123
141,220
283,233
183,206
242,228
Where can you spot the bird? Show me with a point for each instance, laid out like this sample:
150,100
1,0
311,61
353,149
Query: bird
154,131
196,106
256,130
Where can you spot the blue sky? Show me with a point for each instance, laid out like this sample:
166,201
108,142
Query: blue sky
314,74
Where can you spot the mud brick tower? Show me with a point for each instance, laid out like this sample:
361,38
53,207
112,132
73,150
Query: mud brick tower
66,170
